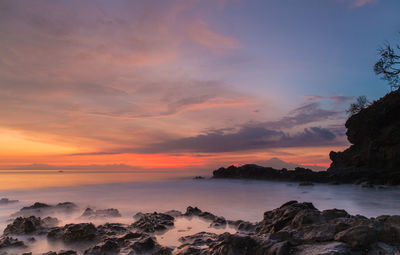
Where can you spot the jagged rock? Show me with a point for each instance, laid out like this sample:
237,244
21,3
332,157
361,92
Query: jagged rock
106,213
68,252
359,236
174,213
152,222
9,242
110,229
107,248
199,239
41,209
192,211
228,244
218,222
331,248
21,226
74,233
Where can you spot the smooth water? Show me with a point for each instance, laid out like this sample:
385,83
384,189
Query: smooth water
234,199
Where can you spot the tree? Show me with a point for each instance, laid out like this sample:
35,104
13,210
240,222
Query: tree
361,103
388,65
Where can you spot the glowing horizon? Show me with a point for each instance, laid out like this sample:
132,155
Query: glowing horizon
184,84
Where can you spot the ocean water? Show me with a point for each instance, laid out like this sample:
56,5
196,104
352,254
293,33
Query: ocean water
131,193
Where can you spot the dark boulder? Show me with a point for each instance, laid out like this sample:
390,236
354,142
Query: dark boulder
74,233
32,224
152,222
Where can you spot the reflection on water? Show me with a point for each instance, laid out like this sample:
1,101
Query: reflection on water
31,179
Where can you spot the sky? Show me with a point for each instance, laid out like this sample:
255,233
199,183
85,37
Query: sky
184,84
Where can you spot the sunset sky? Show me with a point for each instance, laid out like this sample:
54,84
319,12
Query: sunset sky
190,84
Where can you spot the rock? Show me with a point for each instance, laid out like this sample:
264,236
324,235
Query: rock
330,248
36,205
199,239
107,248
374,153
281,248
21,226
252,171
334,213
192,211
198,178
74,233
68,252
218,222
41,209
27,253
110,229
382,249
144,245
106,213
228,244
9,242
174,213
152,222
6,201
358,236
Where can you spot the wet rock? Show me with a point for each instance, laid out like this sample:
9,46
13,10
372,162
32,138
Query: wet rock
41,209
192,211
21,226
6,201
199,239
243,226
74,233
110,229
228,244
218,222
382,249
152,222
331,248
144,245
106,213
107,248
68,252
174,213
188,250
281,248
9,242
358,236
334,213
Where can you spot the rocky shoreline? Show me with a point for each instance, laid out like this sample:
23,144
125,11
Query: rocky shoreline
293,228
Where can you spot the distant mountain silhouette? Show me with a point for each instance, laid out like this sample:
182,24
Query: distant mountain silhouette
278,163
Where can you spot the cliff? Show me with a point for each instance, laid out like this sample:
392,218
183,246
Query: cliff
374,155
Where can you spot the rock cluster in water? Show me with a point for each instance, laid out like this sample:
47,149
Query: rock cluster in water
294,228
252,171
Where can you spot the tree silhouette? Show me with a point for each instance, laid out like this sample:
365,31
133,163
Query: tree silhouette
360,104
388,65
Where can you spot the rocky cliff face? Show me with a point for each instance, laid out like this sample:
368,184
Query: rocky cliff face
374,155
